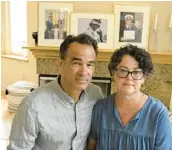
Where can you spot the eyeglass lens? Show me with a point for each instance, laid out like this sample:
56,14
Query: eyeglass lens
136,74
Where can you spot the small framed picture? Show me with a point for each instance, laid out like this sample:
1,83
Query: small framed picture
53,23
98,26
131,25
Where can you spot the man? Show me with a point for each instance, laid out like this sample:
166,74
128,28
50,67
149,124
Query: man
94,30
57,116
49,27
129,25
130,32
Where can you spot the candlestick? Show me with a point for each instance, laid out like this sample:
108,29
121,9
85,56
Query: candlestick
170,32
156,23
170,22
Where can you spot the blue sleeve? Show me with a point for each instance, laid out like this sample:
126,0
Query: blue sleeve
94,124
24,128
163,139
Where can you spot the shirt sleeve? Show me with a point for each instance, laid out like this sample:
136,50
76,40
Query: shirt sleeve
163,139
24,128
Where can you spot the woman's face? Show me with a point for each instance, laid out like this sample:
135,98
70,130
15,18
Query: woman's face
95,27
128,85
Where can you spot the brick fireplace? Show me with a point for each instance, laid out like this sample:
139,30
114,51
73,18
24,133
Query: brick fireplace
159,85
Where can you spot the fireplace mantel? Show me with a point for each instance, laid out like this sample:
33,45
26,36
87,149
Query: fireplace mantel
103,55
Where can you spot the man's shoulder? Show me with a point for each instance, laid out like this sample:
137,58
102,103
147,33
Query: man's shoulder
41,97
46,88
94,92
93,88
42,93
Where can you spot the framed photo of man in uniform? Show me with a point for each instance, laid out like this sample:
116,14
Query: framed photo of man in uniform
131,25
98,26
53,23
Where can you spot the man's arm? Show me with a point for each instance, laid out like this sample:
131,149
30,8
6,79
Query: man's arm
91,144
24,128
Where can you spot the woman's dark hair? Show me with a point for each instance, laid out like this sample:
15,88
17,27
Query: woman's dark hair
141,56
81,38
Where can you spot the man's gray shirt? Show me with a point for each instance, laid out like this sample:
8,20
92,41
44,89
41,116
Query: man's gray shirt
49,119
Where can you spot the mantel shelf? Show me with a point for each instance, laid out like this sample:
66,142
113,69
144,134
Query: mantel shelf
103,55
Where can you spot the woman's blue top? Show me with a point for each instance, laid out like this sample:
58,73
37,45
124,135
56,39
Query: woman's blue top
150,129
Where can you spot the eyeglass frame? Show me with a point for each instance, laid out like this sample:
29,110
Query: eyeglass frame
129,72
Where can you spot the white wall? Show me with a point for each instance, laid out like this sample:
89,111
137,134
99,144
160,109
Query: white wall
13,70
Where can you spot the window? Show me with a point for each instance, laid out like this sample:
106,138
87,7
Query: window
14,27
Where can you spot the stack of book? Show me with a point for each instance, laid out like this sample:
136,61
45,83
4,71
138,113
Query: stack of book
17,92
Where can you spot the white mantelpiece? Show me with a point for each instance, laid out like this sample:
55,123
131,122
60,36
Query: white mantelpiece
103,55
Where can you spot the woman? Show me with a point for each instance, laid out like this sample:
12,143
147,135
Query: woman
130,119
94,30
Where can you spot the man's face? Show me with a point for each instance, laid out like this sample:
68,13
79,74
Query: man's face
128,20
78,66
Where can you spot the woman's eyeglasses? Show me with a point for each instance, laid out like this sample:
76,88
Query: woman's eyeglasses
123,73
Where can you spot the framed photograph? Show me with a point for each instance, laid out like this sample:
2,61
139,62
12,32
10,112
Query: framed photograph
131,25
53,23
98,26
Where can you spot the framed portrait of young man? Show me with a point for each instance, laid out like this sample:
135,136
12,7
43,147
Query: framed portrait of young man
131,25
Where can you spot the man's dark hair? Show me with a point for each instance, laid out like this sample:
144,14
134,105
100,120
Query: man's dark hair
81,39
141,56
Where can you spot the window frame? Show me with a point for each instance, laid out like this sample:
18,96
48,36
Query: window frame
6,46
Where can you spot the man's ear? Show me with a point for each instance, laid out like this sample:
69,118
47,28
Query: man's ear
59,62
